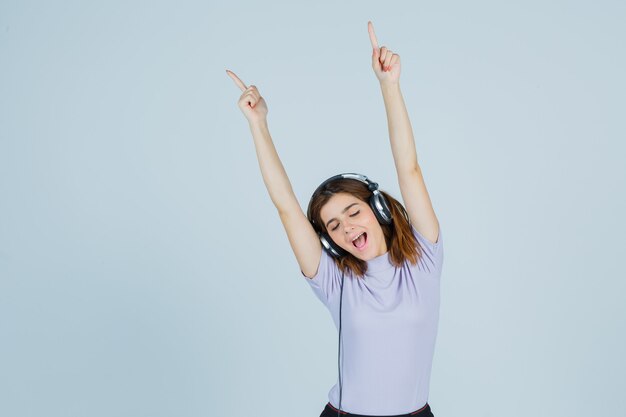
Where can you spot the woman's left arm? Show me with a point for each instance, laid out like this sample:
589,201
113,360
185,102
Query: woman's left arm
386,66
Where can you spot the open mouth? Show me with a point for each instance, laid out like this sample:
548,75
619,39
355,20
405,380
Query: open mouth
359,243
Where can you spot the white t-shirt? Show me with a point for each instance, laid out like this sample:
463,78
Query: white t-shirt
389,327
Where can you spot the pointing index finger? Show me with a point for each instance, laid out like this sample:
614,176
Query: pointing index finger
370,29
239,83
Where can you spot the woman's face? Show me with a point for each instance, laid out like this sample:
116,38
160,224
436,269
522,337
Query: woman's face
346,217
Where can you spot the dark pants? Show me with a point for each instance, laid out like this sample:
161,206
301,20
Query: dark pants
330,411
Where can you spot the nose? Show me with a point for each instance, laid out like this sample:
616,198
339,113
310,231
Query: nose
348,227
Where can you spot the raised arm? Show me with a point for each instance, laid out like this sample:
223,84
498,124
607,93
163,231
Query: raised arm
302,237
386,66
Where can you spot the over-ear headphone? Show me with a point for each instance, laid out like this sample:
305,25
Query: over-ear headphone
377,202
380,207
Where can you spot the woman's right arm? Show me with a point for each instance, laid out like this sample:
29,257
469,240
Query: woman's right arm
302,237
272,170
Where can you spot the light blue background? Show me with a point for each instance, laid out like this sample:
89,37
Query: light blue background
144,270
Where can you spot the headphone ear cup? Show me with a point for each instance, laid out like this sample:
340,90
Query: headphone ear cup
383,215
330,246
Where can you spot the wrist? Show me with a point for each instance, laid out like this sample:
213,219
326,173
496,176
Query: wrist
258,124
389,86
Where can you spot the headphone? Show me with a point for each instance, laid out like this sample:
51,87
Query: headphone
380,207
377,202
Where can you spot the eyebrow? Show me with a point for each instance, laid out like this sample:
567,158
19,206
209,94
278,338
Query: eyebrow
343,211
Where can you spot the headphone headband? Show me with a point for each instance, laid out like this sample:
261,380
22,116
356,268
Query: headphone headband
352,176
372,186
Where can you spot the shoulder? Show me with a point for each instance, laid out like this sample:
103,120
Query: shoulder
431,257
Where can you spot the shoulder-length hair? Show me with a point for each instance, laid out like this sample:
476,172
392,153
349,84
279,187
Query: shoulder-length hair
401,243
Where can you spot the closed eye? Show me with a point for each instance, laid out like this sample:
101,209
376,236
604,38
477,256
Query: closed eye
352,215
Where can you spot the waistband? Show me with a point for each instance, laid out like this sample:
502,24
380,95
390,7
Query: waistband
424,411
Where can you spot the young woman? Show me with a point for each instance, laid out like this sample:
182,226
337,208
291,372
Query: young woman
387,259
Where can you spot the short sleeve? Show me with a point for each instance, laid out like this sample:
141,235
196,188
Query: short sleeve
327,279
432,253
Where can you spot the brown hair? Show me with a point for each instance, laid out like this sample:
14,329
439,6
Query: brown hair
399,237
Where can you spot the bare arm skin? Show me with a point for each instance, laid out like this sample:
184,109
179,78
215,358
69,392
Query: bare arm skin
302,237
272,170
417,202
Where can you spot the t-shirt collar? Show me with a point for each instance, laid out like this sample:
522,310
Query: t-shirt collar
379,263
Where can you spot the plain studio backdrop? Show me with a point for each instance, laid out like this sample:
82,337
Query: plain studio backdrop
144,270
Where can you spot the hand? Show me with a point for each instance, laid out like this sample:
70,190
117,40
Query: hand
251,103
386,64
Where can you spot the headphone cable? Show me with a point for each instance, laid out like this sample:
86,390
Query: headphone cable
339,355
